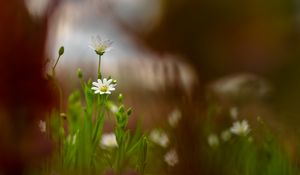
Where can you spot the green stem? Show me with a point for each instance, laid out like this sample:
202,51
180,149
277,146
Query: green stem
53,68
99,66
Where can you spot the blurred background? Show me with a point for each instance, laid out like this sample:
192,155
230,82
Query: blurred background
167,54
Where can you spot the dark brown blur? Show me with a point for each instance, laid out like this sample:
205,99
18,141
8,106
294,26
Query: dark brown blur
221,38
25,96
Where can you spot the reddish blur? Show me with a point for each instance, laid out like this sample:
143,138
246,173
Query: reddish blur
25,95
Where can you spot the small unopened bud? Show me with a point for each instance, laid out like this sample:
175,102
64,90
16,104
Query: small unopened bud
129,111
79,73
63,115
61,51
121,109
114,81
120,98
90,81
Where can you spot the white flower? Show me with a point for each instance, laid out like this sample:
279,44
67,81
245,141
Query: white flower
108,141
213,140
103,86
171,157
159,137
240,128
225,135
234,113
114,109
174,118
42,126
100,46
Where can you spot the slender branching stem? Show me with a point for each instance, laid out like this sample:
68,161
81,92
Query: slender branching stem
99,67
53,68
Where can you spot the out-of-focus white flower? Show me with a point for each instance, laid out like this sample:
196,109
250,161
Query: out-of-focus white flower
239,88
104,86
213,140
240,128
225,135
114,108
174,117
171,157
109,141
100,46
234,112
159,137
42,126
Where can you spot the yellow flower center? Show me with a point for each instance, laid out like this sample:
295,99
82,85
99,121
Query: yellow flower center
100,49
104,88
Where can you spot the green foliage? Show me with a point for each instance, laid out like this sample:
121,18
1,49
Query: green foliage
78,136
79,146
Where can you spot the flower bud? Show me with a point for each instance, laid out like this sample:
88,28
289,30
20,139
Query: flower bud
129,111
79,73
89,83
121,109
61,51
120,98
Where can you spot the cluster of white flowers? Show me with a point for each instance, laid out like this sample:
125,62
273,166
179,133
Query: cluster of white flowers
174,118
171,157
240,128
108,140
100,46
159,137
104,86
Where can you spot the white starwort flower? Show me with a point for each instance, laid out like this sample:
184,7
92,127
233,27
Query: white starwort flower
108,140
159,137
42,126
213,140
171,157
226,135
103,86
114,109
174,118
100,46
240,128
234,112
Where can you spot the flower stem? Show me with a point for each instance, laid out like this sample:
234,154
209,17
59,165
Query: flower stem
99,66
53,68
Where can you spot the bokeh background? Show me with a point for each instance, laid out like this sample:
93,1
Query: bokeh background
167,54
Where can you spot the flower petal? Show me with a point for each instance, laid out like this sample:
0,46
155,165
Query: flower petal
109,81
104,81
95,84
111,89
